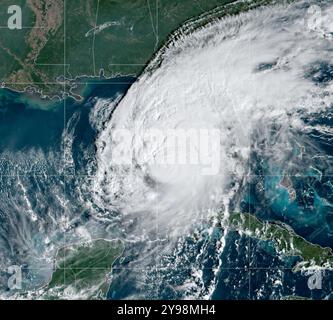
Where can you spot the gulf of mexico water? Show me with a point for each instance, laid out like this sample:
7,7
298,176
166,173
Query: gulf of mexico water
46,147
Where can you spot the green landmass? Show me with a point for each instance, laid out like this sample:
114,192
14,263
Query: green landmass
83,270
285,240
64,40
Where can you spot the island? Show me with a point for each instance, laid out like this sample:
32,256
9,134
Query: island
284,239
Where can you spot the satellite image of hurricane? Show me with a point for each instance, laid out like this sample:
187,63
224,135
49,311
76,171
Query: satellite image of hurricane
166,150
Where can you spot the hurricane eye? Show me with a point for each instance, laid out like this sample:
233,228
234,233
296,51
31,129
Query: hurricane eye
321,73
265,66
149,181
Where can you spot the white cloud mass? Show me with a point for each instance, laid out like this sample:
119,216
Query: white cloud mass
239,75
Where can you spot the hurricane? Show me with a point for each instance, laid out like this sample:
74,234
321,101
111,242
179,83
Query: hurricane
220,118
254,78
